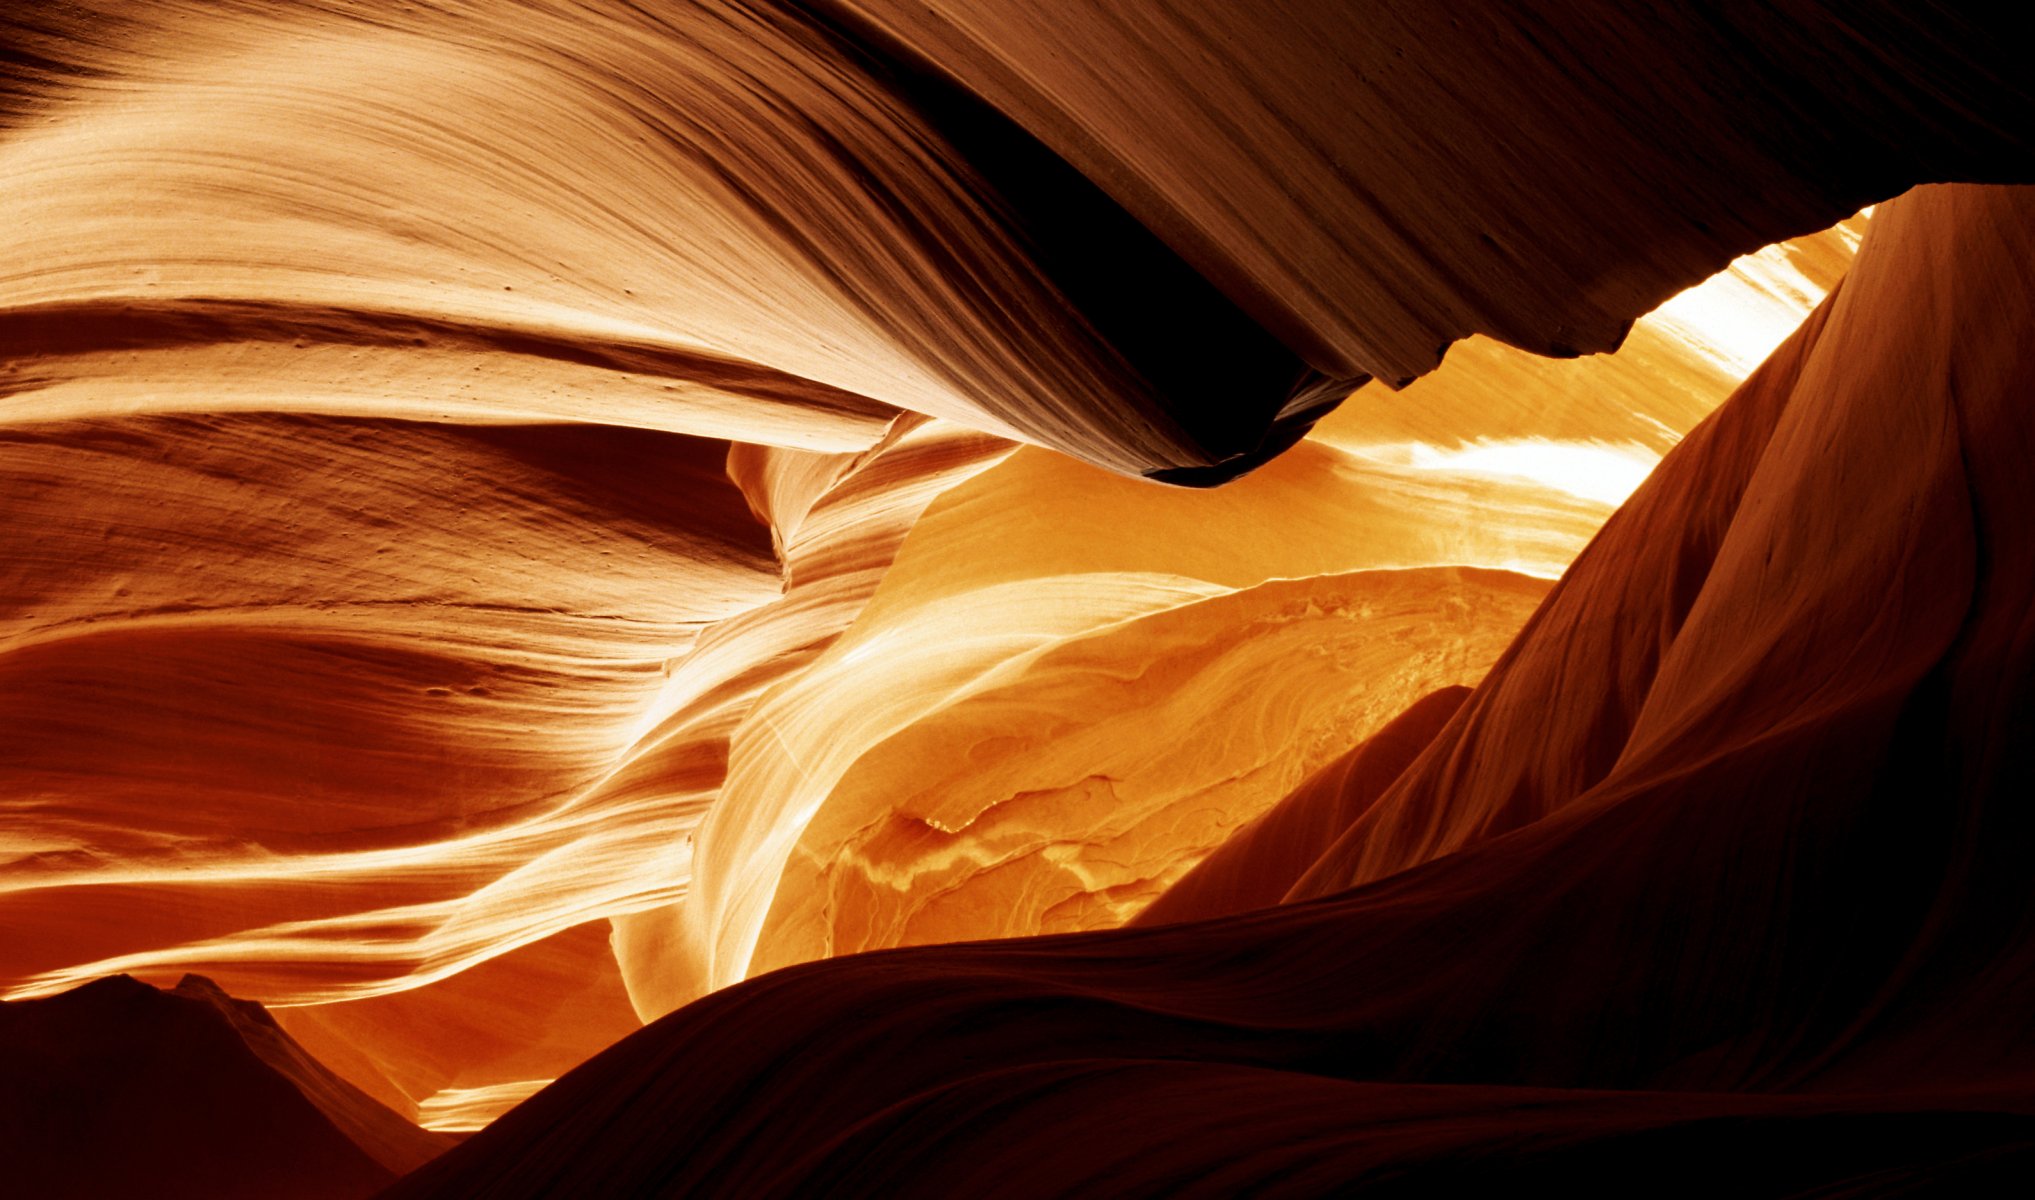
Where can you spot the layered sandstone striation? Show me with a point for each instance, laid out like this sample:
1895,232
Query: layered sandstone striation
526,515
1741,881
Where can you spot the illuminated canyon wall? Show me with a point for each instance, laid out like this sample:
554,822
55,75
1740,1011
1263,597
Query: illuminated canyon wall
524,517
1717,876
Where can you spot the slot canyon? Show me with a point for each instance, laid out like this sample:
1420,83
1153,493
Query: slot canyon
939,598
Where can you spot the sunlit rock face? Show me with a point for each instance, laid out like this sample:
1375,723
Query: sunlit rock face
582,669
526,514
1713,868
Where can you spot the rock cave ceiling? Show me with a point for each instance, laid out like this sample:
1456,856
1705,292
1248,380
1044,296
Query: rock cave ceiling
526,516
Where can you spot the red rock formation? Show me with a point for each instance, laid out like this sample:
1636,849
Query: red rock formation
517,518
778,221
1261,862
1375,180
1771,906
118,1089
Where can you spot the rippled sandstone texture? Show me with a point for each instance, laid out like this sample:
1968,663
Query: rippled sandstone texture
1771,874
486,474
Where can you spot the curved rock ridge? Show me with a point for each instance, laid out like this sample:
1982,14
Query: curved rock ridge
454,1054
1258,864
717,219
1600,421
118,1088
234,707
1028,798
1376,180
330,609
1730,863
984,667
517,512
857,826
382,1134
350,674
320,850
780,222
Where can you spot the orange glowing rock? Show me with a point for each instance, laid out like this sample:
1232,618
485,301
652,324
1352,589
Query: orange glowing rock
524,514
1724,863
